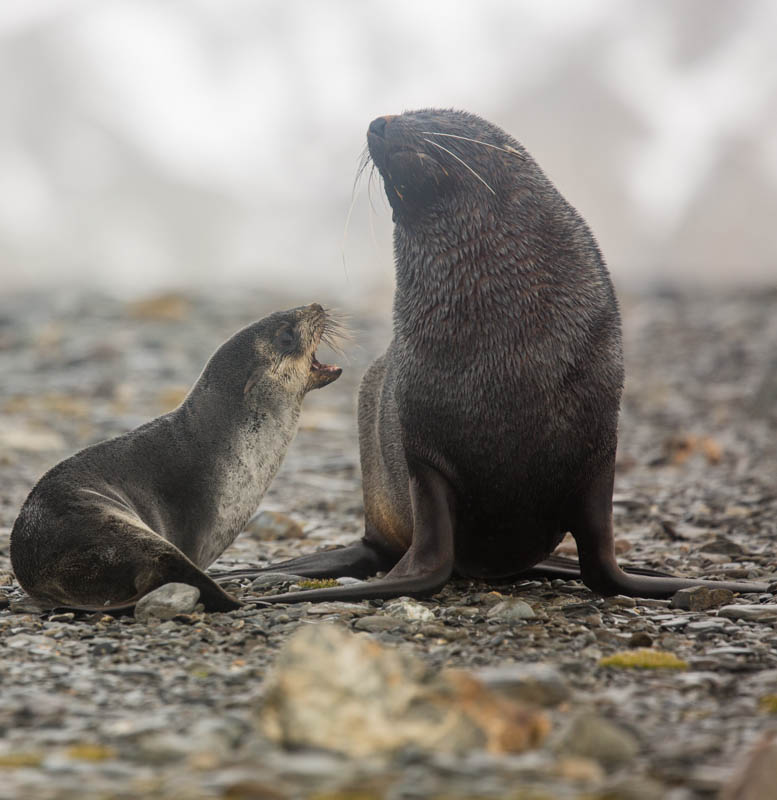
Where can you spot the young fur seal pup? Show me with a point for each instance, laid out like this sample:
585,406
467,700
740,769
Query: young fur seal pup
162,502
488,428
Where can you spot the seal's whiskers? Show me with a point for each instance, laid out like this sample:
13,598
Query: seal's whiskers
510,151
364,159
336,331
373,213
464,163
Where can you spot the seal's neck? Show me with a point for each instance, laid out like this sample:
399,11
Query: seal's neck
451,276
224,427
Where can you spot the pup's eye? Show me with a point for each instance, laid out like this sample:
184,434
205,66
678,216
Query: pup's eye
285,338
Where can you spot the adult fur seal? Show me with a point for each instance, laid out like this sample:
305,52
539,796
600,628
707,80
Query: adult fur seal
488,428
162,502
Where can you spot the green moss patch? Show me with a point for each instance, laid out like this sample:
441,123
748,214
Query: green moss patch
318,583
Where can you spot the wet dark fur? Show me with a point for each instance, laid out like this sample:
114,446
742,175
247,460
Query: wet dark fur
505,370
488,428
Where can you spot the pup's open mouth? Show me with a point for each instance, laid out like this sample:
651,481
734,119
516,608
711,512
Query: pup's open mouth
322,374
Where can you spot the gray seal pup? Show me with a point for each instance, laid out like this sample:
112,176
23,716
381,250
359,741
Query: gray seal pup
488,428
162,502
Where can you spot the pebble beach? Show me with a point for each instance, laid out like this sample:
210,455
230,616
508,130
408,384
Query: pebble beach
548,691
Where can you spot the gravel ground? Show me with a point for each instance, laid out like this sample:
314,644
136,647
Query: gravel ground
100,707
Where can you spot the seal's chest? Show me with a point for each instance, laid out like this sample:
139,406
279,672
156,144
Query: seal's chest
242,482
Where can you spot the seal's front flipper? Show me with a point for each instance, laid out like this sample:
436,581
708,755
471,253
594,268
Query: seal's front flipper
357,560
428,563
591,525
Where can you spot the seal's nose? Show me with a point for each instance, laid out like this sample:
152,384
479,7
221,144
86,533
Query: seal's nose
378,126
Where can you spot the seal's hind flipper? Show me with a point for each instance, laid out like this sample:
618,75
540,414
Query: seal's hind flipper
427,564
556,566
102,559
590,521
357,560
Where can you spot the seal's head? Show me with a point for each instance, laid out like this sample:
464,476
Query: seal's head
436,159
275,358
285,346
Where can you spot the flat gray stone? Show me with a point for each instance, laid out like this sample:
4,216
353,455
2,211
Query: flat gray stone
705,626
167,602
750,613
376,624
269,579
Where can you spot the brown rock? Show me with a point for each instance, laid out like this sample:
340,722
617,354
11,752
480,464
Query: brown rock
700,598
756,777
334,689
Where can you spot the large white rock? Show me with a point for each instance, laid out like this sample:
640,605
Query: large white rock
334,689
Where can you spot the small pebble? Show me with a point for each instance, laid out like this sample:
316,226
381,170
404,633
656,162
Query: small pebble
512,610
640,639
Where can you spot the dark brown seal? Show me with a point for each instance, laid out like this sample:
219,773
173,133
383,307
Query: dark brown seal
488,428
162,502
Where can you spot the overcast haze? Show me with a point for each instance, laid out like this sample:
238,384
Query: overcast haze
146,145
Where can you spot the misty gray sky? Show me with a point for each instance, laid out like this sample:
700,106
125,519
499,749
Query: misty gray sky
146,144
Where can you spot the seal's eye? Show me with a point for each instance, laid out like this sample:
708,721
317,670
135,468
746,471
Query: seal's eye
285,339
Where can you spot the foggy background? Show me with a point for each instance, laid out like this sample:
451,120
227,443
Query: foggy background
148,145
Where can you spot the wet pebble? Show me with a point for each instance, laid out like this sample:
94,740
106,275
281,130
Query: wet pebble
511,610
410,610
167,601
